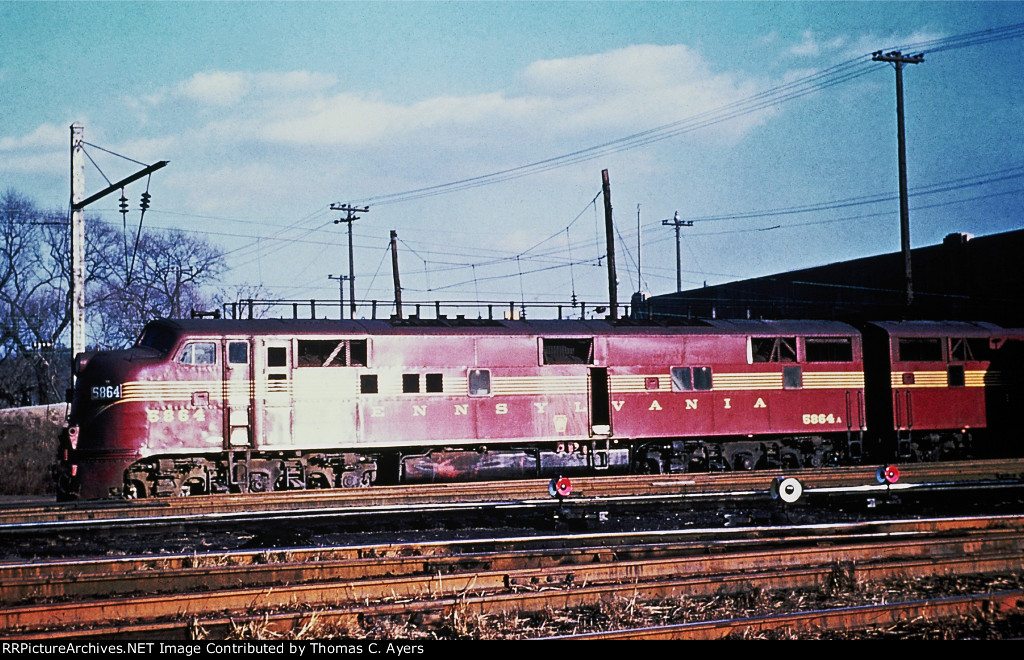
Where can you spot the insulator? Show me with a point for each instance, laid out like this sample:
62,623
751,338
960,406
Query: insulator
145,201
124,204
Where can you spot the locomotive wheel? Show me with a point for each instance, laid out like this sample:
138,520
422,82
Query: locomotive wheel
66,488
317,480
258,482
787,489
194,486
133,490
352,479
650,466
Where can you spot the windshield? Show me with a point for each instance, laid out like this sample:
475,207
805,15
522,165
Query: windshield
157,337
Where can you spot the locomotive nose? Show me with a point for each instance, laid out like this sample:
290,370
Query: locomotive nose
92,460
81,360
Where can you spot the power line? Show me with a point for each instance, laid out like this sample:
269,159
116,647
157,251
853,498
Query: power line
821,80
824,79
835,75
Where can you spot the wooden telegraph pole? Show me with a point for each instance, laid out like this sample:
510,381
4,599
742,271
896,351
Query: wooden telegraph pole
677,223
898,59
350,217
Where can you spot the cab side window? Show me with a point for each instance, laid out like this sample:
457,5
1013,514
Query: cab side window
238,352
772,349
686,379
198,353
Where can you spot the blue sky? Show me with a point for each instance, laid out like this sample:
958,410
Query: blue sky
271,112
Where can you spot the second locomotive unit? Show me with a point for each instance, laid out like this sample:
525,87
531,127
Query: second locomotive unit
208,406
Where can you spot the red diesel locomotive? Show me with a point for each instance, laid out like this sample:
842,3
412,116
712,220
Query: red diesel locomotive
209,406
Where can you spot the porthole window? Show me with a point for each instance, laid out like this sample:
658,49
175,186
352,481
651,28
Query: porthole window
682,379
702,378
479,382
792,378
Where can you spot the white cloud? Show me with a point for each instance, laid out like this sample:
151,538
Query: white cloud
44,136
641,67
227,88
291,82
252,132
620,91
35,162
811,46
340,119
227,188
220,88
633,88
807,47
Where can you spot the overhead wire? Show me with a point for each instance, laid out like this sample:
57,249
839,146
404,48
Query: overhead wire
826,78
823,79
837,74
794,89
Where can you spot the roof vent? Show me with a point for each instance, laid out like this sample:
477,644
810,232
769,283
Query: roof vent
959,238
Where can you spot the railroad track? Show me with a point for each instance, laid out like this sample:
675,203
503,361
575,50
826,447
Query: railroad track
862,617
282,592
501,496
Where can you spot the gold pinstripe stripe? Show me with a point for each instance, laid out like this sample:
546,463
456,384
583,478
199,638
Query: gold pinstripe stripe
747,381
817,380
500,385
926,379
510,385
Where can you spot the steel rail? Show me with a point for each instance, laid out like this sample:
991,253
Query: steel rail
558,565
489,591
81,570
295,618
853,618
497,496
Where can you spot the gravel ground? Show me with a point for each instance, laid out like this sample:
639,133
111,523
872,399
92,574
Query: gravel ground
635,613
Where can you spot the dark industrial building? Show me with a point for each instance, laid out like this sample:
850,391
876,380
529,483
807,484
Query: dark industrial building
964,278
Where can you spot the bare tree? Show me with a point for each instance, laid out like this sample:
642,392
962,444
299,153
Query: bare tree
33,301
164,276
127,284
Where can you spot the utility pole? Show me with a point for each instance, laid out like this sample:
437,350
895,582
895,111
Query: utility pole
78,205
394,270
350,217
609,232
341,293
77,241
639,278
677,223
898,59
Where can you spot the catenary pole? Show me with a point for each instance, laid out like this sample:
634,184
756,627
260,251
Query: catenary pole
609,230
